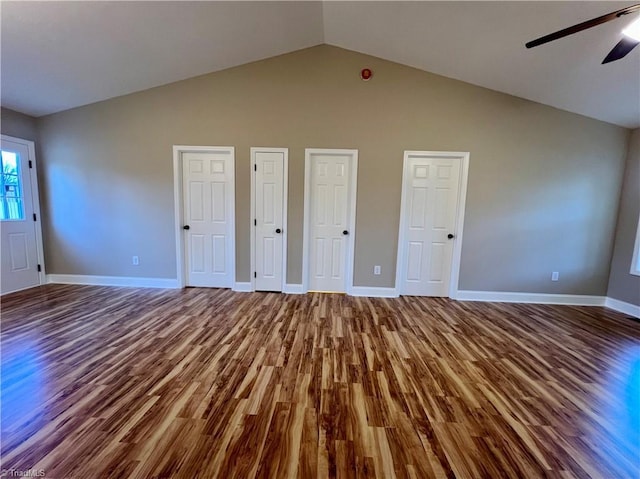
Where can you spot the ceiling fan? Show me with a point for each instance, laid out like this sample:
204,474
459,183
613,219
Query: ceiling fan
630,40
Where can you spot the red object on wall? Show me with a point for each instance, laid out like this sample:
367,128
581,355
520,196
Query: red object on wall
366,74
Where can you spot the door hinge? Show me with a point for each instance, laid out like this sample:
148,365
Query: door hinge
255,222
39,268
255,275
35,218
30,164
255,167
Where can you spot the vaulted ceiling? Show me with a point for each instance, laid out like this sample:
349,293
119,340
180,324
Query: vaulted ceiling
59,55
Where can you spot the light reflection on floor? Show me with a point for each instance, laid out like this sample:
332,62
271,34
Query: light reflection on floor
622,414
22,384
632,400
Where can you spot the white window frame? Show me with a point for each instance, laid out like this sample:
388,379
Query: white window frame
635,261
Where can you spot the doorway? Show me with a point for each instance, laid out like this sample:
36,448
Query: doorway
204,184
269,218
431,220
21,246
329,219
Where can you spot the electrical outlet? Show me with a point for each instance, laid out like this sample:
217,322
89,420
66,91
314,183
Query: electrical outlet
135,261
555,276
376,269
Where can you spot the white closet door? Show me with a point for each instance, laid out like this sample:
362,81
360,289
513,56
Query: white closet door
269,207
330,215
208,186
430,195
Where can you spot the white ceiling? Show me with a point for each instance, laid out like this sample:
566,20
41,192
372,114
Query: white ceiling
59,55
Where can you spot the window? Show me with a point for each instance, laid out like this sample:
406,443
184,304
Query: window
11,199
635,262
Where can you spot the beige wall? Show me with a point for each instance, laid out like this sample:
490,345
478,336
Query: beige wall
622,284
17,124
543,185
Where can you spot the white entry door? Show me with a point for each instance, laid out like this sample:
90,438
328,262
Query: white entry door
269,197
21,244
428,222
330,218
208,215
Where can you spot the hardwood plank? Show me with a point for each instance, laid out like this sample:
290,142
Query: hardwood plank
138,383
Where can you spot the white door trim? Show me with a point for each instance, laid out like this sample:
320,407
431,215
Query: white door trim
178,206
285,203
351,239
462,198
35,198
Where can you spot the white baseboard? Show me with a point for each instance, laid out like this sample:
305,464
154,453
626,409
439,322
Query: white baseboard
112,281
535,298
243,287
623,307
374,292
293,289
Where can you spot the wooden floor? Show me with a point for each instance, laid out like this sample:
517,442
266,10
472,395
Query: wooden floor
115,382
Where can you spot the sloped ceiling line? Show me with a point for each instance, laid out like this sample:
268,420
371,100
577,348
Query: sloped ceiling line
59,55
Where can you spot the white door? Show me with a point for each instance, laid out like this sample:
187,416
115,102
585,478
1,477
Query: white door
19,216
269,217
208,216
330,209
428,223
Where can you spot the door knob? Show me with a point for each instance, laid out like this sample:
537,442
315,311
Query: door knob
278,230
186,227
345,232
450,236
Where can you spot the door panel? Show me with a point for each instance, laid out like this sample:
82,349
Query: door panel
18,245
18,250
196,201
330,216
219,202
430,192
414,261
219,249
336,258
269,211
268,265
197,253
208,178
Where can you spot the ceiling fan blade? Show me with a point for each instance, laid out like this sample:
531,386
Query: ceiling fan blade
623,47
582,26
